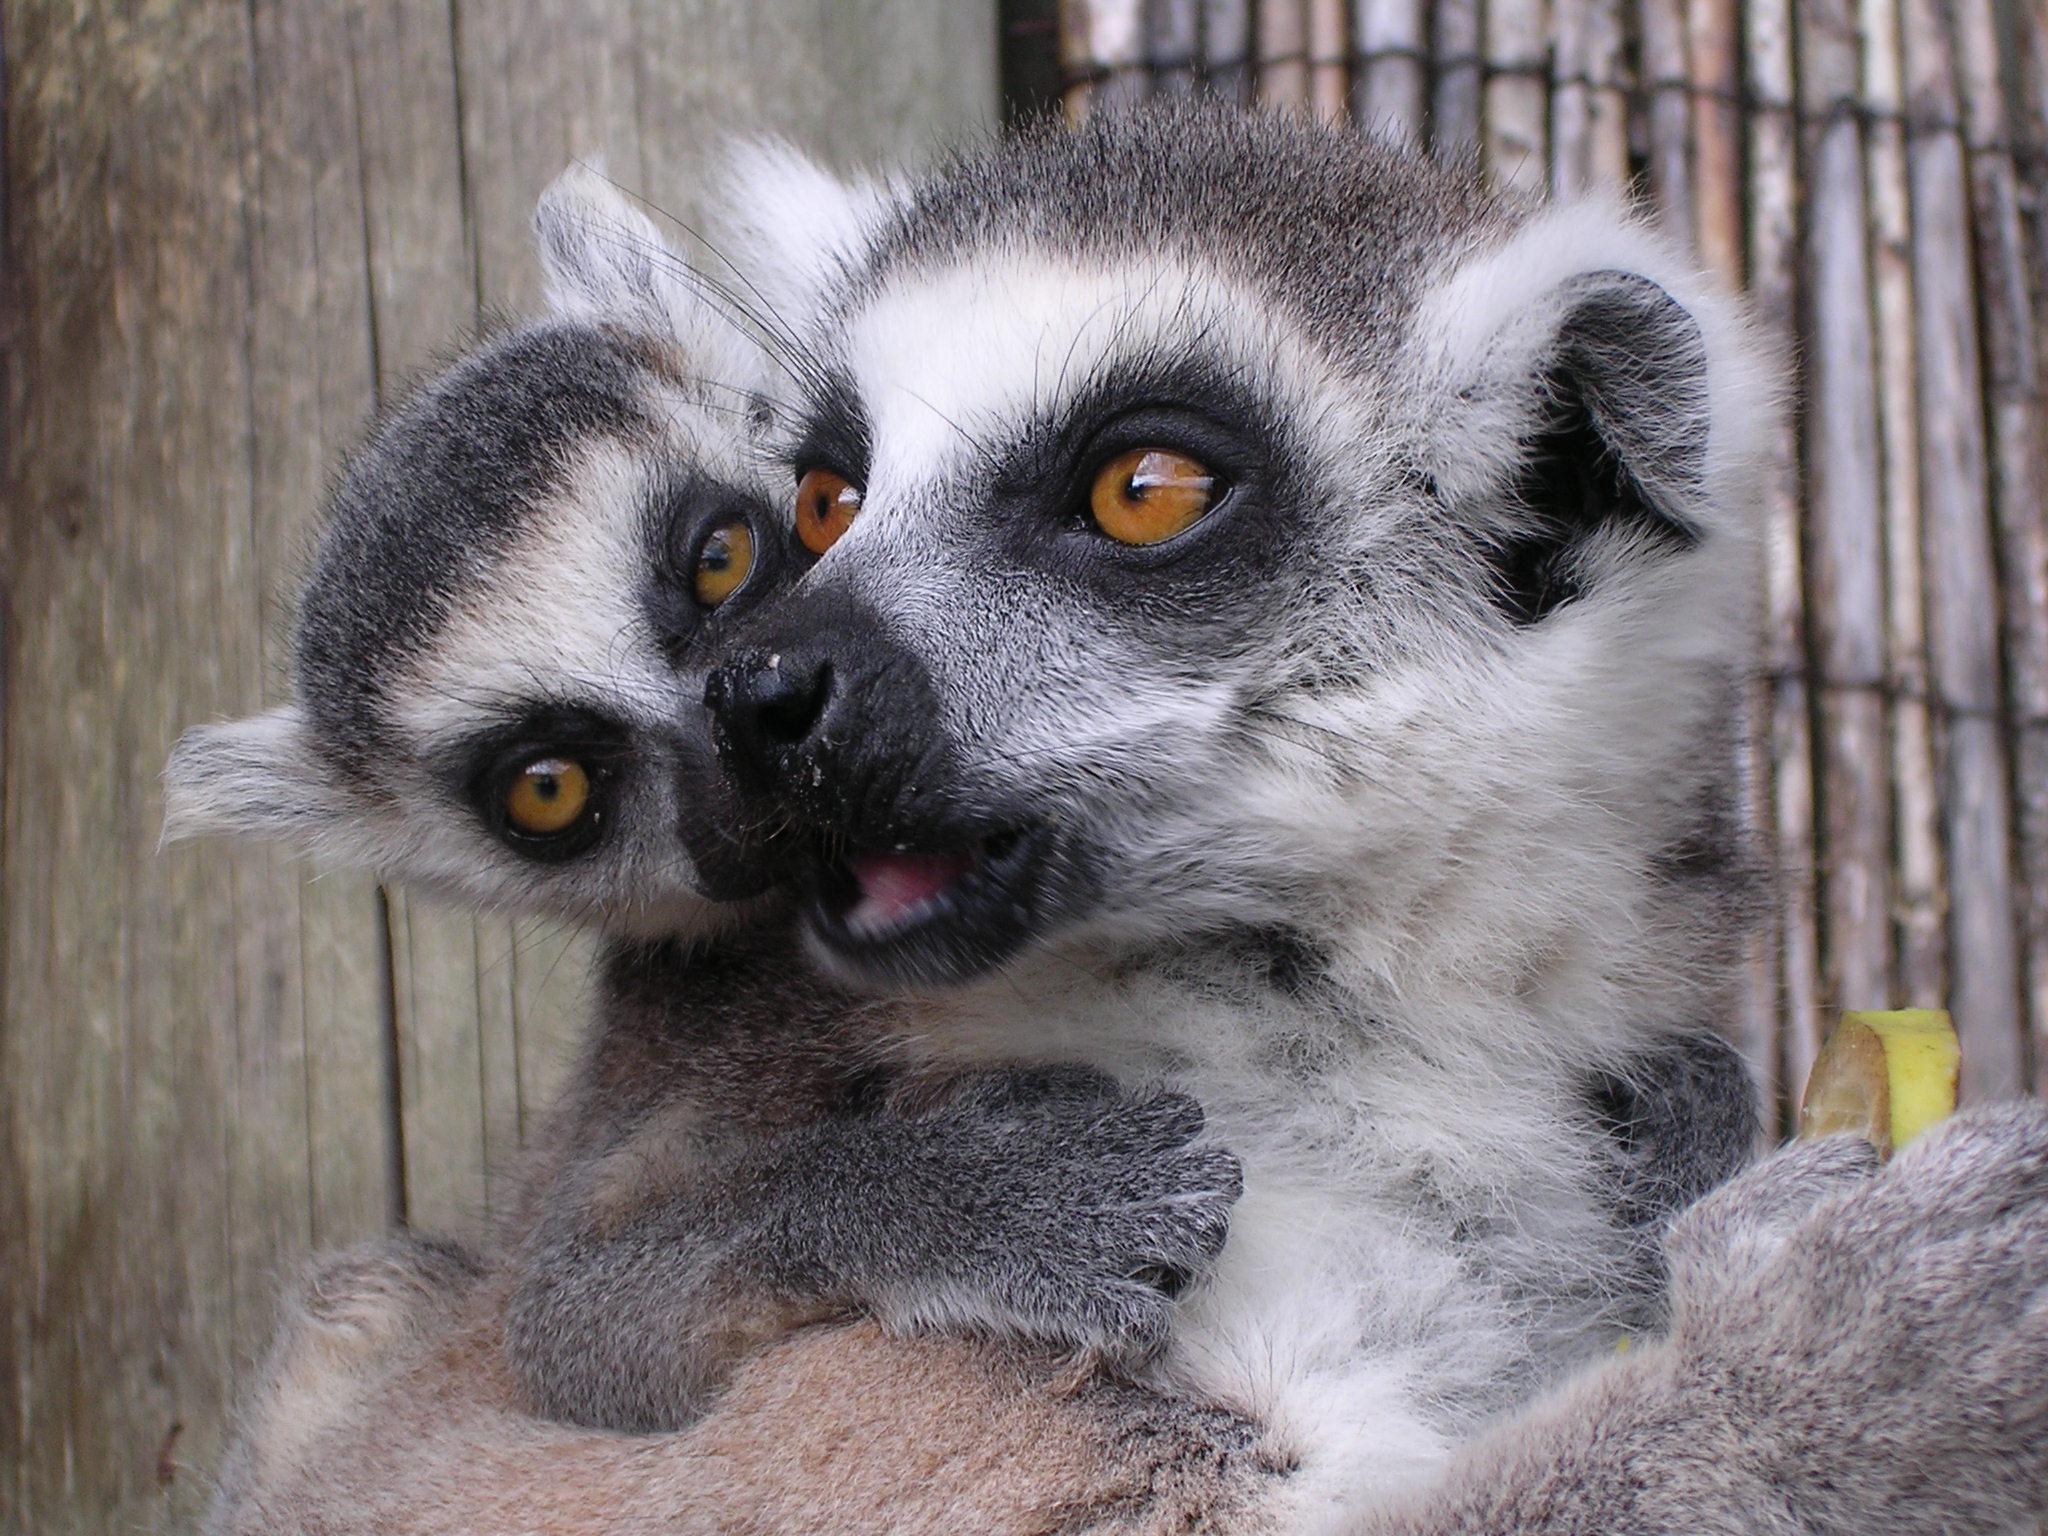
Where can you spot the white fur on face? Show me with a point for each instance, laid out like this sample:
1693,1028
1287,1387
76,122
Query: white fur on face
557,616
1402,748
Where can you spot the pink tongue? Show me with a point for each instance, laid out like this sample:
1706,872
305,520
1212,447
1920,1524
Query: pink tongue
892,883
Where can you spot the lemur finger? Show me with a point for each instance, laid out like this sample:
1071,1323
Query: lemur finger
1199,1235
1117,1316
1209,1172
1161,1122
1000,1088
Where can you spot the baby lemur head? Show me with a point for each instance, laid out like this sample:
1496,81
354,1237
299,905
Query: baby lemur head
1225,520
494,692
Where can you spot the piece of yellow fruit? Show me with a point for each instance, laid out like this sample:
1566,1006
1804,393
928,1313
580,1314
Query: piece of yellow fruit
1888,1076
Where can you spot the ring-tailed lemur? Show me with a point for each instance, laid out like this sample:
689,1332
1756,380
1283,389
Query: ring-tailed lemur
1229,527
1707,1348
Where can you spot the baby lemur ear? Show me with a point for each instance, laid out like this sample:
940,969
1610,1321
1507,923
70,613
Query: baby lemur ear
1598,400
259,777
605,260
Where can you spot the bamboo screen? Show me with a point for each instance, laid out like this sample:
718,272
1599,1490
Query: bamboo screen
1876,174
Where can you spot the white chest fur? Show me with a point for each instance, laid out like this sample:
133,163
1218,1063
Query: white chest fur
1421,1239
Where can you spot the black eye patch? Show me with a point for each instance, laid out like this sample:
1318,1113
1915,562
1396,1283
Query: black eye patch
483,769
681,515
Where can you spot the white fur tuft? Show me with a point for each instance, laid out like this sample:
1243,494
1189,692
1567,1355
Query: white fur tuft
257,777
793,226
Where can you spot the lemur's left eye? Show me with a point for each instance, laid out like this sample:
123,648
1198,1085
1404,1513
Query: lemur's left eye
825,508
547,796
1148,495
724,561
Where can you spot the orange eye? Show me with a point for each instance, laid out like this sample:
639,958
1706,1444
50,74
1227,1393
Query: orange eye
1148,495
825,508
723,563
549,795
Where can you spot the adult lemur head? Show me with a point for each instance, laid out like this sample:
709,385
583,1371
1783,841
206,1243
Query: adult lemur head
1225,522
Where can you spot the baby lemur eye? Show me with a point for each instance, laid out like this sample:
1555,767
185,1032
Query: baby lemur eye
1148,495
724,561
547,797
825,508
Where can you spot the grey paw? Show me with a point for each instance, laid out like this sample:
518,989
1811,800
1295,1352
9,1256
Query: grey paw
1897,1332
1105,1206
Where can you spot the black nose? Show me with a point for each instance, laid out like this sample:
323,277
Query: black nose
765,706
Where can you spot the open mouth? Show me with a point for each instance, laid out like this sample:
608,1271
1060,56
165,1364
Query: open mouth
934,917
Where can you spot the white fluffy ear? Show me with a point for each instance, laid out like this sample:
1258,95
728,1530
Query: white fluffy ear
605,260
793,227
259,777
1585,321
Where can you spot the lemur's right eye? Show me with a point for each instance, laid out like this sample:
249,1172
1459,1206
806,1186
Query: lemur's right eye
825,508
547,797
724,561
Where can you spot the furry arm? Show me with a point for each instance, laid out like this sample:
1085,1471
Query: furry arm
1045,1205
1848,1354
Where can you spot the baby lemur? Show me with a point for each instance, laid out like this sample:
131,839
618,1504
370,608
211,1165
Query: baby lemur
1336,743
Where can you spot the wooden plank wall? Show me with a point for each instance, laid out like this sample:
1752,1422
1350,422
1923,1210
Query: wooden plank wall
231,227
1876,172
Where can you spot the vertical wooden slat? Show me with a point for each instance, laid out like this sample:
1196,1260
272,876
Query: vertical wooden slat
2029,134
542,84
1102,44
1668,115
1919,895
1455,54
1963,595
1281,36
1588,98
1390,87
1173,44
2006,258
1329,61
1713,52
1773,269
1515,145
1227,48
129,495
1844,543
